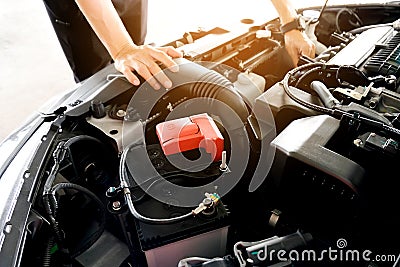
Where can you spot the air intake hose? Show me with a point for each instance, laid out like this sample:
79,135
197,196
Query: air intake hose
196,81
199,81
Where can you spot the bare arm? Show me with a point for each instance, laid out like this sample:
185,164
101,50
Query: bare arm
297,43
128,56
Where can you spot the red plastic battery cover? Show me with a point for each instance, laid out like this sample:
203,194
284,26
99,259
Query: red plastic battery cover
184,134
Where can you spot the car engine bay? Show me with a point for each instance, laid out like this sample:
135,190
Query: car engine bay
246,155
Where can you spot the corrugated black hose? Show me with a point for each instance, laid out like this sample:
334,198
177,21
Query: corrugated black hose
47,253
95,236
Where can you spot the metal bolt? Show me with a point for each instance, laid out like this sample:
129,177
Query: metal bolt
207,202
223,167
121,113
116,205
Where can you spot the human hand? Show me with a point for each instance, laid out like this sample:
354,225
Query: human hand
297,44
144,60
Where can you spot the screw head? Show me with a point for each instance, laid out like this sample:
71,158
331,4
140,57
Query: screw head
207,202
116,205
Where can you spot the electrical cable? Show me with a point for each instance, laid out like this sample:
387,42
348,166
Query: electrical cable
359,21
74,140
96,235
46,260
51,205
187,262
288,90
142,218
59,154
59,236
336,112
128,197
238,252
77,138
308,72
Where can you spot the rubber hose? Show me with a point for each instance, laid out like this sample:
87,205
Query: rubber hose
47,253
199,81
89,193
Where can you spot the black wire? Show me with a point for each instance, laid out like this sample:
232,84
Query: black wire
59,235
142,218
46,260
350,12
288,90
77,138
96,235
74,140
132,209
59,155
334,112
305,75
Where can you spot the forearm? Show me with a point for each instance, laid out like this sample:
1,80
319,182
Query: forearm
285,9
296,42
106,23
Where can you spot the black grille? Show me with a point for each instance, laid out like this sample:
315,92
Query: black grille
387,60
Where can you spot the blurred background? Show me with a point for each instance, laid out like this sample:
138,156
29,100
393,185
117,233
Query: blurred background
33,66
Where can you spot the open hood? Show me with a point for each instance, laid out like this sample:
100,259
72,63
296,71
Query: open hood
246,161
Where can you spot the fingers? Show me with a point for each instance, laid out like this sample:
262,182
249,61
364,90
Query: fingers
132,78
144,60
171,51
307,47
165,55
147,73
294,55
298,44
